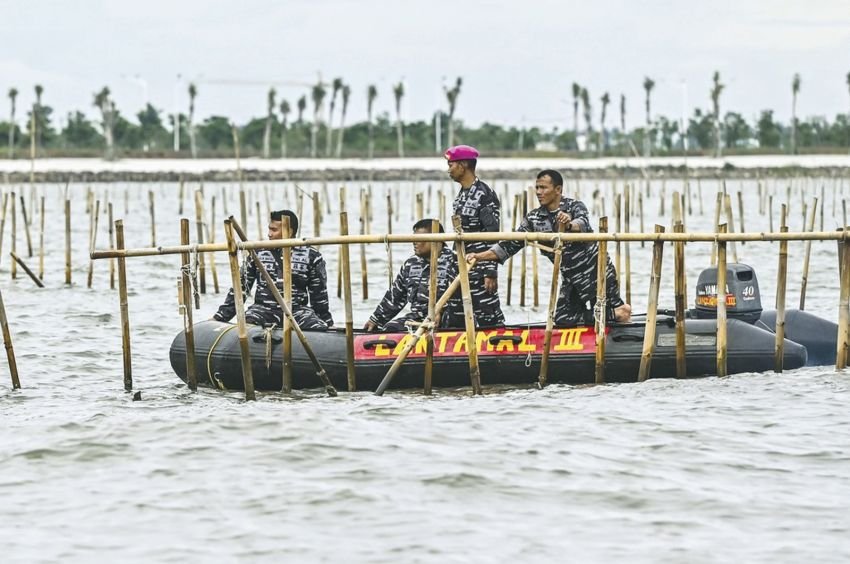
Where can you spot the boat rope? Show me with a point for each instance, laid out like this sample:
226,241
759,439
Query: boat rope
190,270
214,380
387,243
528,328
599,311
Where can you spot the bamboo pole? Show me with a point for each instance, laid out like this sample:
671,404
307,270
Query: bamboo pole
550,313
781,277
843,340
640,207
601,304
286,255
807,256
535,284
628,259
741,212
770,212
67,241
186,307
364,230
721,305
3,223
259,220
717,209
243,208
242,328
679,289
651,309
317,215
122,302
29,272
14,266
151,205
522,262
432,303
469,320
180,197
618,228
93,241
210,230
511,258
349,316
730,224
390,247
111,246
26,226
199,233
7,343
41,240
342,208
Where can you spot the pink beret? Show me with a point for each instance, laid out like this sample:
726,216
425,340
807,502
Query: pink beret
461,153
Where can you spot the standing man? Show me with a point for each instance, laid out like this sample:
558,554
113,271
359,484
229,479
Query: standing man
411,287
309,284
578,267
478,208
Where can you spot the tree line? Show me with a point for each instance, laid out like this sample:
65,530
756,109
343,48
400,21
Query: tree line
287,131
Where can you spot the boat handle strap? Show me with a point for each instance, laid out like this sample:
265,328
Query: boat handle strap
495,340
377,342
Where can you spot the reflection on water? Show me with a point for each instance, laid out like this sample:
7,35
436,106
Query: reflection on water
753,467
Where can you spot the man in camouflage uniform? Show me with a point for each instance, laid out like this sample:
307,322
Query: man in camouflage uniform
578,265
478,208
411,287
309,284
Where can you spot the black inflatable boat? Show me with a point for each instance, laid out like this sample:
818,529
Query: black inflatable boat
511,355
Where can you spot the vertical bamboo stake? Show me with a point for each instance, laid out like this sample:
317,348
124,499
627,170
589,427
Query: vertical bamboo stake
807,256
111,246
317,215
618,227
345,267
511,258
640,208
153,218
779,358
628,260
550,313
7,343
420,207
717,208
469,320
721,305
651,308
770,212
180,197
3,223
679,289
432,301
244,346
741,213
122,301
522,262
243,208
342,208
93,241
199,233
210,229
389,246
26,226
14,265
601,303
822,206
843,304
535,284
260,221
41,241
364,230
188,325
286,255
68,241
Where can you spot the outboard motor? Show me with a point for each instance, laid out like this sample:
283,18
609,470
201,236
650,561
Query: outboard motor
743,299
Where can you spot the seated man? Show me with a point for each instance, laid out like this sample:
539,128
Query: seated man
411,287
578,262
309,284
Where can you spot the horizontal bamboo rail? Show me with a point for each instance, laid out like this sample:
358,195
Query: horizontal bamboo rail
493,237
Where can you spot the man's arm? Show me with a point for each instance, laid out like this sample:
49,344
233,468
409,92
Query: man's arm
394,301
228,309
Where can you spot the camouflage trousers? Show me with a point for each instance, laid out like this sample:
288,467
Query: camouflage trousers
577,296
304,316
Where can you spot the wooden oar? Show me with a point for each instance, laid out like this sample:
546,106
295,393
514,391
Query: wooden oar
320,372
425,326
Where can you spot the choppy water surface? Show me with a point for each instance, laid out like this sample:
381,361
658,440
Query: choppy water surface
754,467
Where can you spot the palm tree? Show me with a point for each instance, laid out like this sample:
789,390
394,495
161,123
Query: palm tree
190,126
13,94
795,89
271,103
588,117
346,94
603,139
318,96
336,85
648,85
107,112
716,90
39,90
398,92
623,116
576,96
284,112
451,96
301,104
371,94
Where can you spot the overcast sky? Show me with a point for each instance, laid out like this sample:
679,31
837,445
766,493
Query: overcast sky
518,59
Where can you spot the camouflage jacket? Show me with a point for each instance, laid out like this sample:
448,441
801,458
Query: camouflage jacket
479,210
